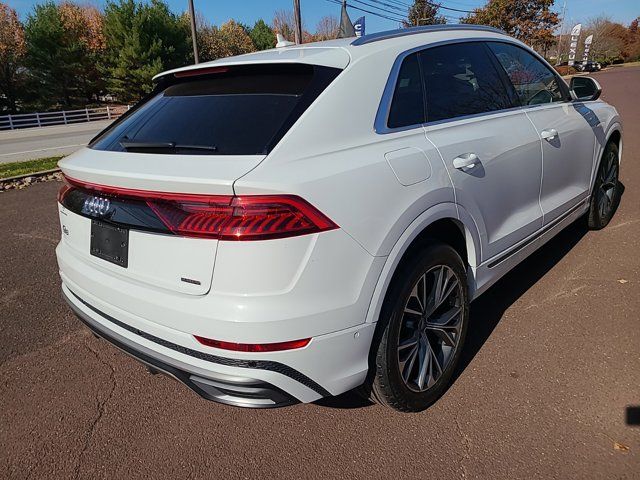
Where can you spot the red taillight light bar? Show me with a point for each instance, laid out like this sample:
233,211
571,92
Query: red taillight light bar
200,71
225,217
254,347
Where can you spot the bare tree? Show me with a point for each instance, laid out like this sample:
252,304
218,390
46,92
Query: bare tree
327,28
284,24
608,38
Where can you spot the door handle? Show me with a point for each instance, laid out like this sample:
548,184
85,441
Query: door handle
549,134
466,160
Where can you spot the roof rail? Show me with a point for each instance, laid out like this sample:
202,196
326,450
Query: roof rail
402,32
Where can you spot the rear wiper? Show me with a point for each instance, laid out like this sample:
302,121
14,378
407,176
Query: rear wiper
137,145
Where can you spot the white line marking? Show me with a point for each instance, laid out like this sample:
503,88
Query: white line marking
43,149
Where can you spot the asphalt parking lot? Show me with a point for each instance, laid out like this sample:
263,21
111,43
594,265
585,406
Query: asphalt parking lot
551,366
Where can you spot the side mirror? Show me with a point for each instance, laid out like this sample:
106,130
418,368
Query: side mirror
585,88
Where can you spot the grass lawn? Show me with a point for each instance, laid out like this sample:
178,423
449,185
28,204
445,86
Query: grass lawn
31,166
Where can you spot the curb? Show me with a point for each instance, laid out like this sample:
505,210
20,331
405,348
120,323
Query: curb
25,175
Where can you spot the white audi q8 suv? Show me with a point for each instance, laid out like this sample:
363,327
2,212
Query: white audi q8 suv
291,224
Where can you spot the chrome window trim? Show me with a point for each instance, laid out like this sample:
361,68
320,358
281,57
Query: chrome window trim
384,107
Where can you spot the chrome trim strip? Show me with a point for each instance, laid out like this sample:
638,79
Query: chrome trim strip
538,234
403,32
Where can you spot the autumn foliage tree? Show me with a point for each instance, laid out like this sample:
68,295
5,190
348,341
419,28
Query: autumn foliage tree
609,39
12,51
531,21
424,13
84,23
284,24
632,48
327,28
63,44
227,40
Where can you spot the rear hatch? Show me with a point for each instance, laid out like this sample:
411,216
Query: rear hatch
142,201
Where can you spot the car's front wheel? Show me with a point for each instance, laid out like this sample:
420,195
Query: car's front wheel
423,325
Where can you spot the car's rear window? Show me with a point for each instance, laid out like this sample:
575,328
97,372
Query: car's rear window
240,110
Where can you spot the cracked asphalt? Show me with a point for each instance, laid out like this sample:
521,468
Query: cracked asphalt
551,365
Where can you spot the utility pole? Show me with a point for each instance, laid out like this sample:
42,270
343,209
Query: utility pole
558,52
192,17
298,25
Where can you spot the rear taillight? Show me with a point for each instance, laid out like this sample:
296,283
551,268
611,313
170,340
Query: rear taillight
64,190
254,347
225,217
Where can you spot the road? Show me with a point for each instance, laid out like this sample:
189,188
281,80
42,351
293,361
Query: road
32,143
552,363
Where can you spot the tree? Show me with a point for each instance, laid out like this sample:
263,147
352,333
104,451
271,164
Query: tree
12,51
62,51
531,21
284,24
230,39
84,23
142,39
633,41
327,28
423,13
262,36
609,39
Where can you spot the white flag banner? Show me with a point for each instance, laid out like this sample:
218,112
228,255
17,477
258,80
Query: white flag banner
587,47
573,46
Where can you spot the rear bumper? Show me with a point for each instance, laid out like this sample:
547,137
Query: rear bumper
236,391
330,364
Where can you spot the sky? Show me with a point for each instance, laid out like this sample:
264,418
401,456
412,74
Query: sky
248,11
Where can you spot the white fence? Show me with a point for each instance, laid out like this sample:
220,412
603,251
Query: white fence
42,119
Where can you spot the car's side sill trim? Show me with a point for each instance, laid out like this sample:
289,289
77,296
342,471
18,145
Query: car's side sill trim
540,232
268,365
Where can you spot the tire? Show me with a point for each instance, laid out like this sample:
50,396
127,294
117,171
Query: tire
394,379
605,196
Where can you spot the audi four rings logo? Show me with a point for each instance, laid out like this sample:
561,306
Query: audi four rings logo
96,205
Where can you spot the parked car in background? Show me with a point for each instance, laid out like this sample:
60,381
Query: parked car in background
294,223
589,67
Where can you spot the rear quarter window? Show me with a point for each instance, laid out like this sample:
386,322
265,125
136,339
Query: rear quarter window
407,104
241,110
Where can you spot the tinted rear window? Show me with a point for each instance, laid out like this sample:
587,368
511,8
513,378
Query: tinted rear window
238,111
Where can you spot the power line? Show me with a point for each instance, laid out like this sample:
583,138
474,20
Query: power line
449,8
394,15
390,5
376,7
368,11
398,2
433,5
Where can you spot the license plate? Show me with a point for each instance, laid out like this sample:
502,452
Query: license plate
110,243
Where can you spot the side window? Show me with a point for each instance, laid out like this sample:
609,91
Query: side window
407,105
460,79
534,82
